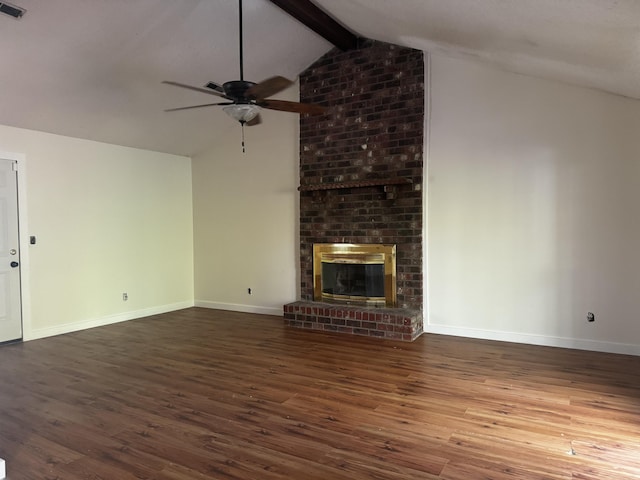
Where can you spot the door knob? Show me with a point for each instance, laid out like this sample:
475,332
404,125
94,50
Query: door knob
14,264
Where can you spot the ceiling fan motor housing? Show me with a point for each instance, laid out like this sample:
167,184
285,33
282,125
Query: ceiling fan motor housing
236,90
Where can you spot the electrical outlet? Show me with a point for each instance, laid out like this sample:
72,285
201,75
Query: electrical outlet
125,297
591,317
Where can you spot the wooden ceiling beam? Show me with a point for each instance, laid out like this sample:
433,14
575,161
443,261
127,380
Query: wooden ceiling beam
310,15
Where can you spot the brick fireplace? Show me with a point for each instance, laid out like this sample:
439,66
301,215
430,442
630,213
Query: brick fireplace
361,172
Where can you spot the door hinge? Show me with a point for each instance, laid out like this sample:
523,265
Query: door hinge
14,166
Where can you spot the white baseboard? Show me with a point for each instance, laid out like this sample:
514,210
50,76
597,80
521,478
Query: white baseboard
102,321
3,471
240,308
532,339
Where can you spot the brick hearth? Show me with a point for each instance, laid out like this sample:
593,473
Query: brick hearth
361,173
391,323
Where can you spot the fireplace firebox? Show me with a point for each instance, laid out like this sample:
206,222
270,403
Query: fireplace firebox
355,274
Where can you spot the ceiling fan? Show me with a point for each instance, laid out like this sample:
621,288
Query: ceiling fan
244,99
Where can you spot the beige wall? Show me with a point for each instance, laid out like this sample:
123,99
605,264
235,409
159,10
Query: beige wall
532,196
108,220
533,199
245,216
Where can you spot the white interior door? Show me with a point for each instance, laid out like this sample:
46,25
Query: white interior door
10,304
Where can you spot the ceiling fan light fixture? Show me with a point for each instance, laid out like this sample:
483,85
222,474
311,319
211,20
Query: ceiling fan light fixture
242,112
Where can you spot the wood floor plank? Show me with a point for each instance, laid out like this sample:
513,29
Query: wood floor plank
206,394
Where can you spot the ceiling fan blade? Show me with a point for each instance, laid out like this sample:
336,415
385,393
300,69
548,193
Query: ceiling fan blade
197,106
196,89
268,87
215,86
294,107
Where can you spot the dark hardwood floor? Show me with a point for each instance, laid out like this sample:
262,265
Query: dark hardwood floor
205,394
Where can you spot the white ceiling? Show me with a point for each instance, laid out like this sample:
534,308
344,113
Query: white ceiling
93,68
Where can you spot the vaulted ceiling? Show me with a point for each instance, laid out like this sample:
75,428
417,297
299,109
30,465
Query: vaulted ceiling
93,69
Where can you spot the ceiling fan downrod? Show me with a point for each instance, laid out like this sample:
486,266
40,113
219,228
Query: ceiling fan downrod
240,36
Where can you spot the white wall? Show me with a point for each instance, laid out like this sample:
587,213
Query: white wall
108,220
533,194
246,216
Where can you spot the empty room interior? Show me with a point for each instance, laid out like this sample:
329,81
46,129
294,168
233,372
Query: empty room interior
319,239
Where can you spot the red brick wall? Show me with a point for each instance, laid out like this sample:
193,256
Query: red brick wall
374,130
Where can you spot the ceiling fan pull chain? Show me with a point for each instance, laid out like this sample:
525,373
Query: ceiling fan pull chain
242,127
